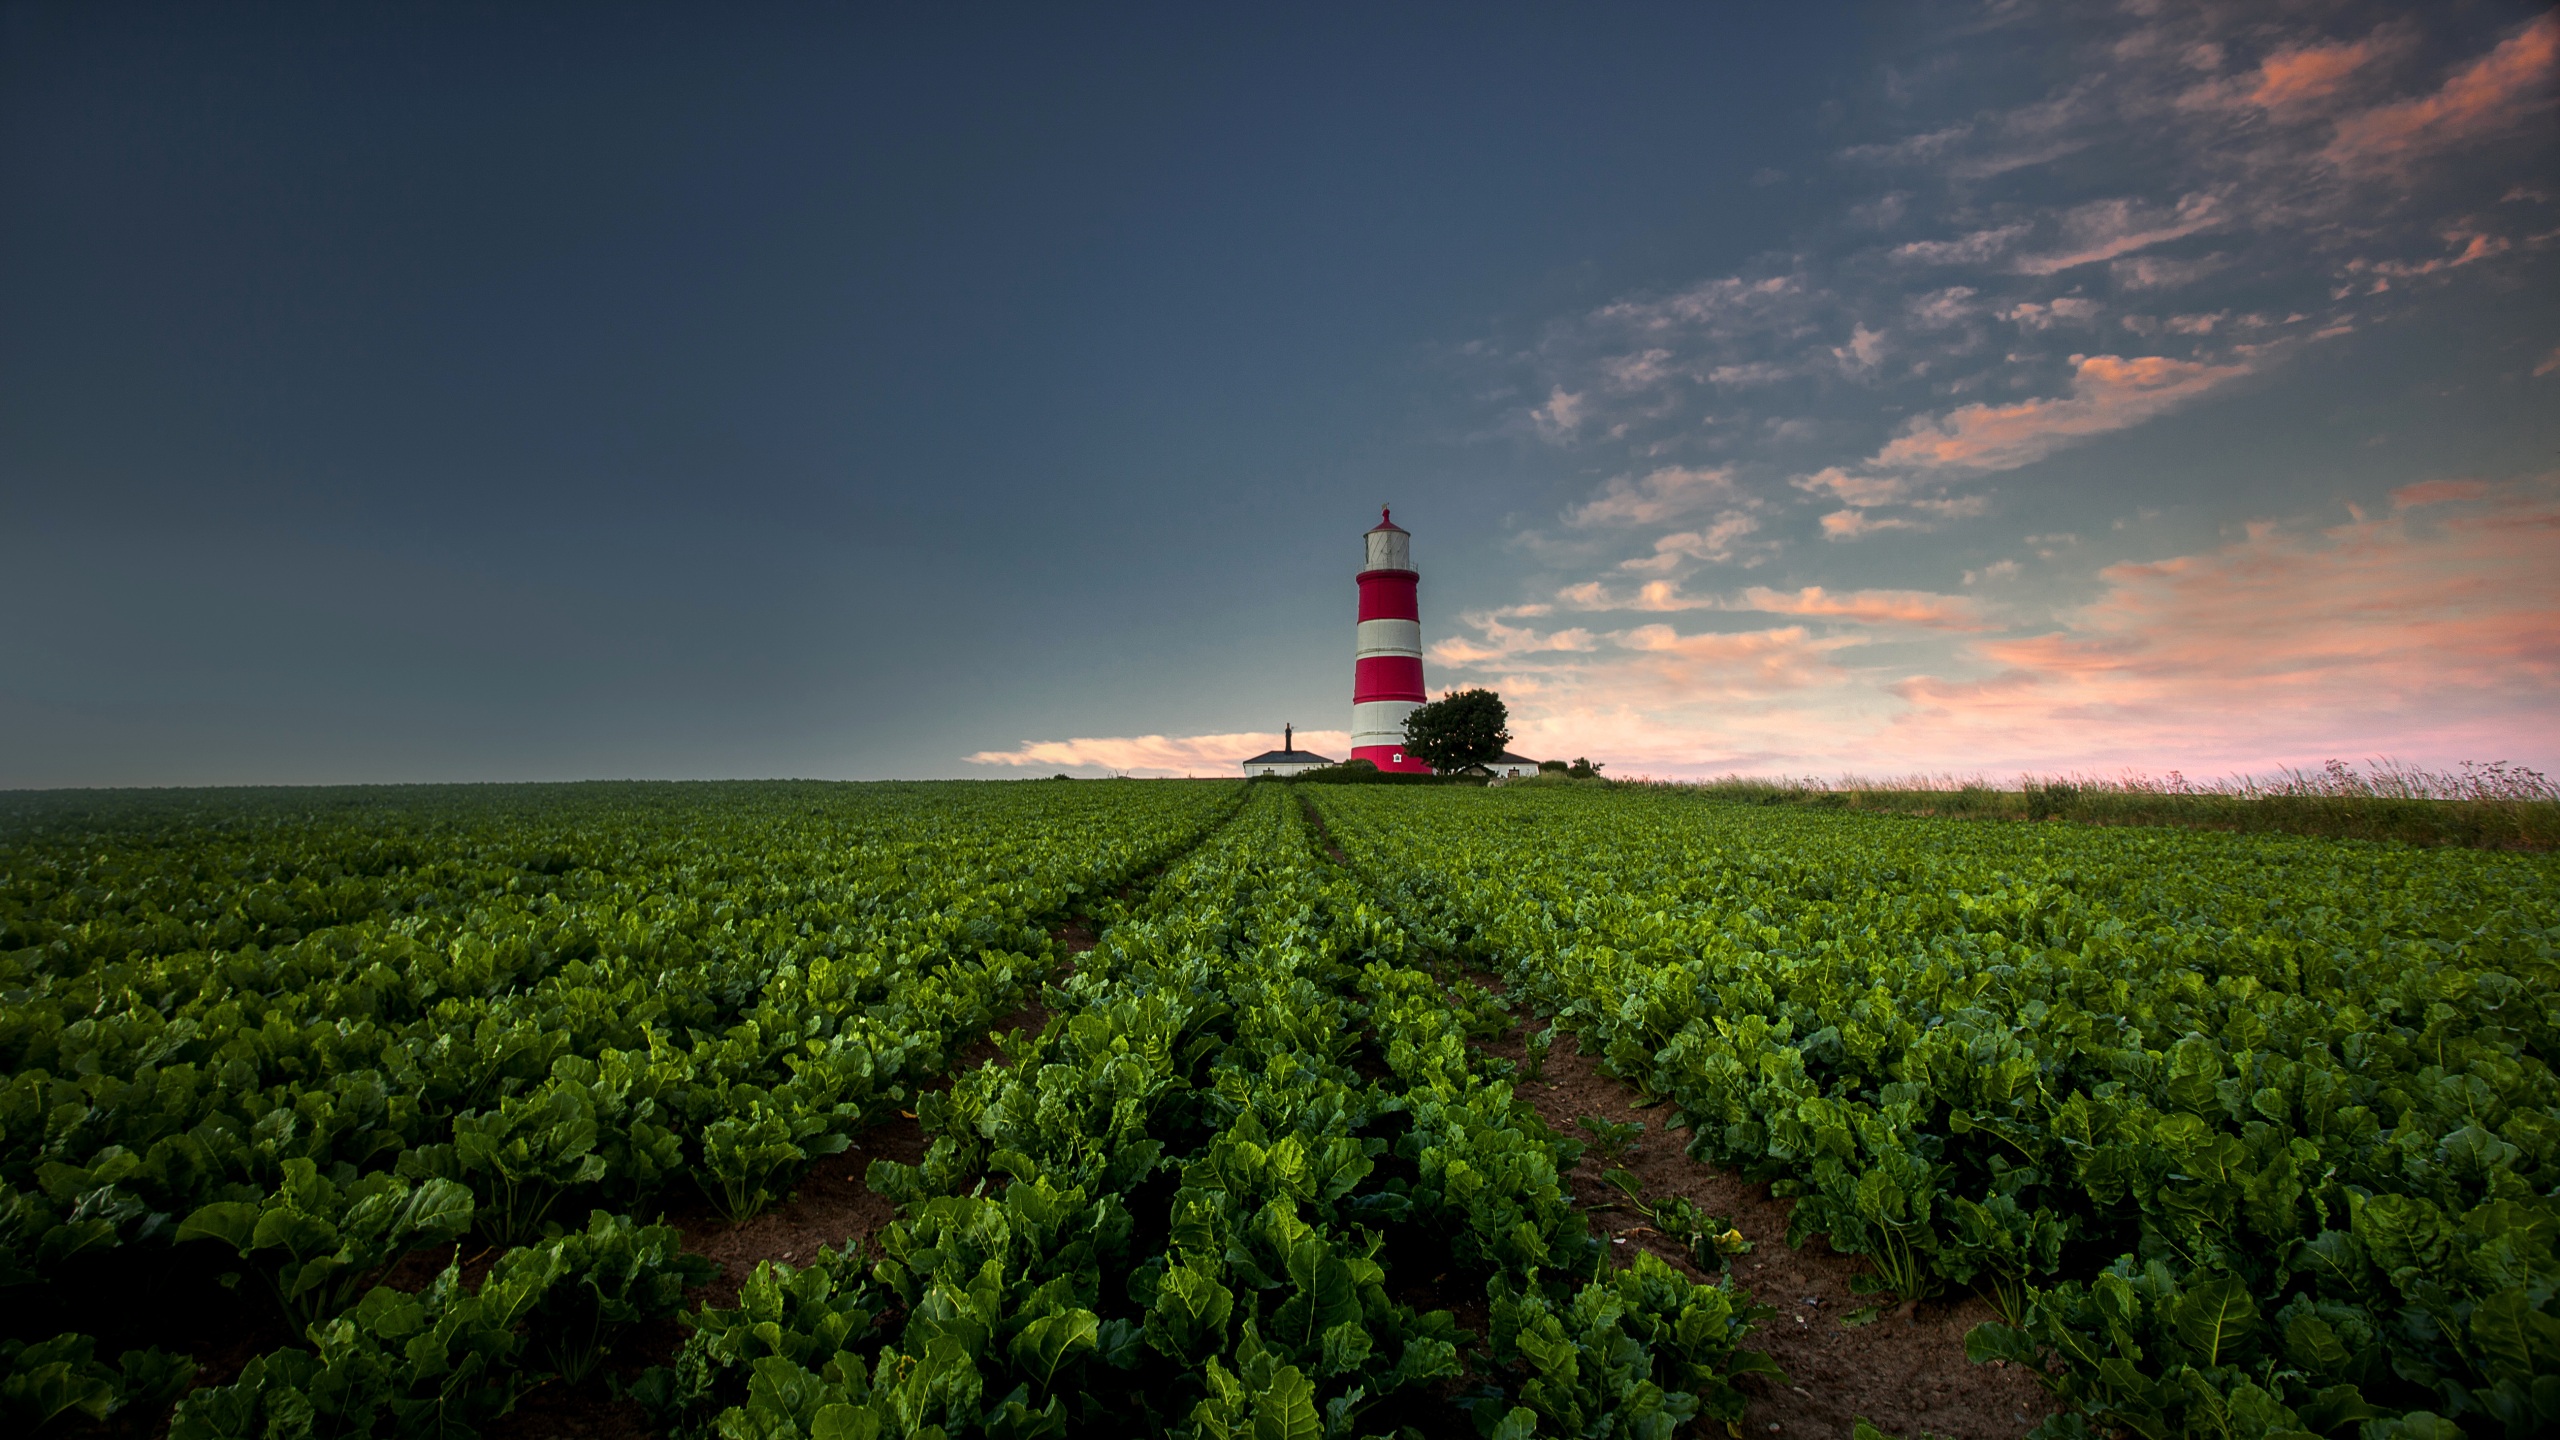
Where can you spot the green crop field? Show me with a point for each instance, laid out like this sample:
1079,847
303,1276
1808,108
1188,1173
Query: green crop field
418,1112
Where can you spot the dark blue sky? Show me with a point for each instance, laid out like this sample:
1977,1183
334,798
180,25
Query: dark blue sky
459,392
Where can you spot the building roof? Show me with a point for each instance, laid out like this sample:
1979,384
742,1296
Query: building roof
1387,522
1285,757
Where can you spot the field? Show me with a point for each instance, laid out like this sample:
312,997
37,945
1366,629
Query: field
1119,1108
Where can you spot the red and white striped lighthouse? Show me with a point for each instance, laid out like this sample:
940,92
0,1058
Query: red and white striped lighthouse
1386,679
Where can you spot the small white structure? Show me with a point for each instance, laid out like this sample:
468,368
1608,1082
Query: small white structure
1507,766
1288,759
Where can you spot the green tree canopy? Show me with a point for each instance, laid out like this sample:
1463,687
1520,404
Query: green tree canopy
1463,728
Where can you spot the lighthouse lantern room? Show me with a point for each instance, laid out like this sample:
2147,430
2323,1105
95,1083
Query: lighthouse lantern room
1386,683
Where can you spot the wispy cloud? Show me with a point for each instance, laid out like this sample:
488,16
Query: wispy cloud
2492,95
2108,392
2105,229
1661,494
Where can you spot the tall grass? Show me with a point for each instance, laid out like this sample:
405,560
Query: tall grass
2490,806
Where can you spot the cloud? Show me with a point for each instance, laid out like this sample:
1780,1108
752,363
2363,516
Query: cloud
1973,249
1504,642
1661,494
1850,524
2475,246
2105,229
1860,355
1904,608
2066,310
1746,662
2108,392
1941,308
1159,754
1728,539
2437,492
1854,487
2289,640
1713,304
2304,75
1868,607
2490,96
2153,272
1561,415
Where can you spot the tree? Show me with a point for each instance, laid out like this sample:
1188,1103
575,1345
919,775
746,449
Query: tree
1463,728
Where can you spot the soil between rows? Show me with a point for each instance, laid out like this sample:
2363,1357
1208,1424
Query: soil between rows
1907,1376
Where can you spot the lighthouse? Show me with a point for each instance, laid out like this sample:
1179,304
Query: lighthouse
1386,678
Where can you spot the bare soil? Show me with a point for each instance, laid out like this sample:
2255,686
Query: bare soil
1905,1374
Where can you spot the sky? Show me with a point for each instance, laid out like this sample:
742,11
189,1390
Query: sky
454,392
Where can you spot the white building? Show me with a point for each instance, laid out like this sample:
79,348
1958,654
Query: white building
1288,759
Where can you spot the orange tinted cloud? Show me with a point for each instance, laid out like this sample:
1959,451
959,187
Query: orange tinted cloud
1160,754
2438,492
1869,607
2312,72
2489,96
2411,631
1735,663
2108,392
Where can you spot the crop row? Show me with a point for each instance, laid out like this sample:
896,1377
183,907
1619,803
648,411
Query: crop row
298,1042
1201,1201
2243,1137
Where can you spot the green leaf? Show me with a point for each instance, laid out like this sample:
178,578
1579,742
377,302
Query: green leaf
1046,1343
1286,1408
233,1222
2210,1317
845,1422
2515,1341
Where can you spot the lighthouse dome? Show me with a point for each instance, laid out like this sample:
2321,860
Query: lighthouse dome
1390,544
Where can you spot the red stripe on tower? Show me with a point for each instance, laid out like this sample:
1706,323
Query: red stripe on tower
1386,678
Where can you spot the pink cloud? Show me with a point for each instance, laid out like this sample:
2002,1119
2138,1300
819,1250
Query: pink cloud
1504,642
2295,77
2438,492
2108,392
1160,754
2377,636
1731,663
1869,607
2490,96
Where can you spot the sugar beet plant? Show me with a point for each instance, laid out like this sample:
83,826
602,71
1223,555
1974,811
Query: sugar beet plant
2243,1136
297,1035
1189,1206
